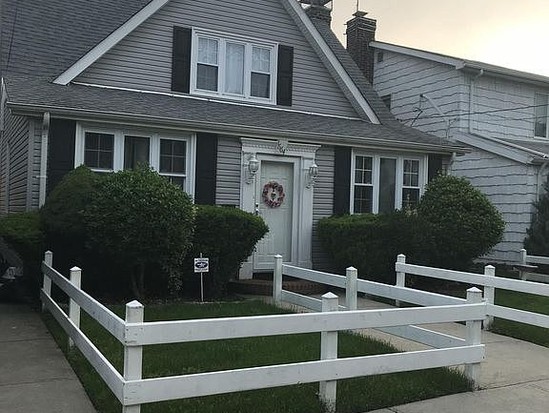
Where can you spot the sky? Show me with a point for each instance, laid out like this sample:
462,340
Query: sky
508,33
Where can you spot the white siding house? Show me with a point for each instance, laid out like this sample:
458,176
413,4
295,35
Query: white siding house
500,113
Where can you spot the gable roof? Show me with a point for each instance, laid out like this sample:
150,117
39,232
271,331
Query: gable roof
463,64
42,40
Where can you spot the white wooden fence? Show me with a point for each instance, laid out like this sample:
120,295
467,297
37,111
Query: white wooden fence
490,283
132,390
526,267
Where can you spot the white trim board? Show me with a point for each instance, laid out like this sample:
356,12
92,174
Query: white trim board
109,42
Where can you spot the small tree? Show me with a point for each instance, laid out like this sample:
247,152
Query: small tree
460,223
140,218
537,240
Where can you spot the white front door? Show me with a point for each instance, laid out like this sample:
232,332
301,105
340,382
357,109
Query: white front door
276,202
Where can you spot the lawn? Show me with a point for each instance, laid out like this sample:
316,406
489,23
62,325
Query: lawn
527,302
354,395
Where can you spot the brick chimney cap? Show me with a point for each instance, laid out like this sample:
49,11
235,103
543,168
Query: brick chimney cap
359,13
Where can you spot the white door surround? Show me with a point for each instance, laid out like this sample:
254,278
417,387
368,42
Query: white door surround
298,158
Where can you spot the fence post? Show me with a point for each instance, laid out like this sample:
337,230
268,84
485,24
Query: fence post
473,336
328,351
74,309
489,295
133,355
351,288
277,279
523,261
46,285
400,275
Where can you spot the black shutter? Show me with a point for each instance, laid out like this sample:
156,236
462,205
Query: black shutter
342,180
206,169
181,59
435,166
60,151
284,75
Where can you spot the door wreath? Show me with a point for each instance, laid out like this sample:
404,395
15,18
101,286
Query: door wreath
273,194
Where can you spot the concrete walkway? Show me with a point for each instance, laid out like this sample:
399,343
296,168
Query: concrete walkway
514,377
35,377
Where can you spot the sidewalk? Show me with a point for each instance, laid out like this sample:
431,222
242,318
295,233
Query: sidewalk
514,376
35,377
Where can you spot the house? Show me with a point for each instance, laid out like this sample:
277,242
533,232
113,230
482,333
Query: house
499,112
248,104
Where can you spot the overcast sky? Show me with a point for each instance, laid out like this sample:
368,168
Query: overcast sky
509,33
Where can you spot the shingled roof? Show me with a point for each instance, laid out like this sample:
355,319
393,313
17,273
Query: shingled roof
40,40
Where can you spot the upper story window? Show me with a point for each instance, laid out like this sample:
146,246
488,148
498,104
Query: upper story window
540,110
384,183
233,67
108,150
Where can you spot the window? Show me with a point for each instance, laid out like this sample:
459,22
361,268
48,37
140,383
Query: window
233,67
99,150
540,110
384,183
114,150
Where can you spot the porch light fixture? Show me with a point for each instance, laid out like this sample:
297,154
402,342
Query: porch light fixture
312,173
253,167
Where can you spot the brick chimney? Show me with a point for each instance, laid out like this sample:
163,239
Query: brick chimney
360,32
319,10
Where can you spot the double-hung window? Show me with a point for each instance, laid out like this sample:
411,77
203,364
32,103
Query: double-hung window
107,150
233,67
540,112
383,183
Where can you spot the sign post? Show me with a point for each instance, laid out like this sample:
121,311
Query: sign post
201,265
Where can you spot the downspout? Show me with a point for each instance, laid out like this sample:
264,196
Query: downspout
472,98
44,159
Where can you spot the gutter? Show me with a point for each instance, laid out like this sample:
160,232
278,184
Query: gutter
231,129
472,98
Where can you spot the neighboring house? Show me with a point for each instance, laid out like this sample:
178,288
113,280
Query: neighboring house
247,104
499,112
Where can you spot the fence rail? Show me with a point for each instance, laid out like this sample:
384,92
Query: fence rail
133,390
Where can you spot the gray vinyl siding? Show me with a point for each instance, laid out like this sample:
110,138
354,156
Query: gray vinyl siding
504,108
229,152
405,78
33,181
143,60
14,170
511,187
323,202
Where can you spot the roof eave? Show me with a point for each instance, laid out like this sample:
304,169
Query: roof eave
24,109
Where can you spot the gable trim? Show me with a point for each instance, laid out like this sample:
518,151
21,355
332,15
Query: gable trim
309,30
109,42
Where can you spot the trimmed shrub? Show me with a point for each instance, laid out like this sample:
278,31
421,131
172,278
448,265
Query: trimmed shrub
369,242
460,223
63,220
227,236
537,239
140,219
23,233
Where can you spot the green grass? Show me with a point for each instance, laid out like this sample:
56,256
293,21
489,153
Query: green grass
527,302
354,395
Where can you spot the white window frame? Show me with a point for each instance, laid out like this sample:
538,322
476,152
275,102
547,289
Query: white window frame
249,43
399,181
154,149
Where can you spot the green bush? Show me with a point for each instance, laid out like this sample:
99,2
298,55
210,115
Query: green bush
227,236
459,221
537,240
369,242
140,219
63,220
23,234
